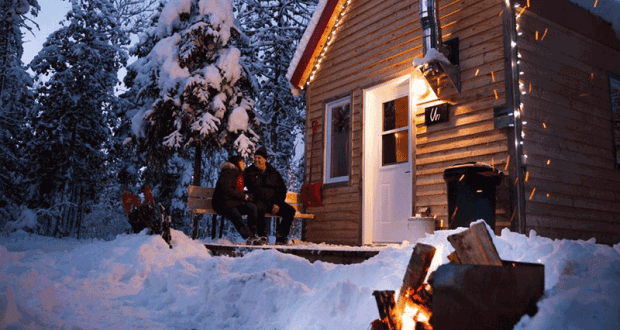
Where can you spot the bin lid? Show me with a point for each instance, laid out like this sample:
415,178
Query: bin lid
471,169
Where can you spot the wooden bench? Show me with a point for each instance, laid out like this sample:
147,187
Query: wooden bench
199,201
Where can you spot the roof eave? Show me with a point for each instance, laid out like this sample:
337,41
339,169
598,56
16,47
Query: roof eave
316,43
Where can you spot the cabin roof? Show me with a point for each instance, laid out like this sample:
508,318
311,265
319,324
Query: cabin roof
327,12
314,40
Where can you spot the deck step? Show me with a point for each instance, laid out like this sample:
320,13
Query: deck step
344,256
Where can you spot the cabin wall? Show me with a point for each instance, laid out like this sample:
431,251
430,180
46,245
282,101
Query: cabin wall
572,189
377,42
469,135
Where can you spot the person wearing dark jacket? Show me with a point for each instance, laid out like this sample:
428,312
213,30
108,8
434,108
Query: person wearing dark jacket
268,191
231,201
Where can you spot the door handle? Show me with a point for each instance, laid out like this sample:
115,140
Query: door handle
407,171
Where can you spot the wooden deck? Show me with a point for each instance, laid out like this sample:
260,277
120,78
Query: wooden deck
335,255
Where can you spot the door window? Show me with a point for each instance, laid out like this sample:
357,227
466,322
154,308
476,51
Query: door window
395,133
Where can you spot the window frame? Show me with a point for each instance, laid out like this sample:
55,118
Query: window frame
329,106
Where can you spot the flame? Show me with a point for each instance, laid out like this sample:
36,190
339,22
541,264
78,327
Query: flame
408,314
411,315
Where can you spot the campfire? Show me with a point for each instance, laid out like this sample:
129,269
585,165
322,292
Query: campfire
475,290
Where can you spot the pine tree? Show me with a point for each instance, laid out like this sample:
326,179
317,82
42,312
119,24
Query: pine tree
16,100
273,29
77,73
189,90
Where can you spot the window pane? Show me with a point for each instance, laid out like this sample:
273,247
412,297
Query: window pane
396,147
340,141
395,113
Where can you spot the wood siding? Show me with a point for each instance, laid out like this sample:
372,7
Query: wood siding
376,42
469,135
572,189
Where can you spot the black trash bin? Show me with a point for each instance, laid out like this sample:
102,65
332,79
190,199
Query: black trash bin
471,193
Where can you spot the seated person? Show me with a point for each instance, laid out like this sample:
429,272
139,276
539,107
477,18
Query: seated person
231,201
268,191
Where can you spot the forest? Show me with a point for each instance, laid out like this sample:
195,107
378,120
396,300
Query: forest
202,80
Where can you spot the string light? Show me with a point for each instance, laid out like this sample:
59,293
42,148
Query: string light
328,42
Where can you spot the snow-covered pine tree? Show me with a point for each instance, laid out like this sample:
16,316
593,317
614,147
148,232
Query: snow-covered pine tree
77,72
135,15
16,100
188,88
273,29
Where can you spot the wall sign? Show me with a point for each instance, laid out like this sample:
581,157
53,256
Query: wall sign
436,114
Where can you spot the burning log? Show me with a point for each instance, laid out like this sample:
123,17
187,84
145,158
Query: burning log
414,297
386,304
475,247
417,269
476,290
454,259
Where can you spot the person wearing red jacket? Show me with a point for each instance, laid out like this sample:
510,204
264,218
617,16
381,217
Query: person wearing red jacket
230,200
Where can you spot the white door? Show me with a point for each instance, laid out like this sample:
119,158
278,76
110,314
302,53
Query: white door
387,162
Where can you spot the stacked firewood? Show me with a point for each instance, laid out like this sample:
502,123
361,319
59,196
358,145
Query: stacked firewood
413,308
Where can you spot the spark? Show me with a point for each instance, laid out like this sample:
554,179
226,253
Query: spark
493,76
527,176
495,92
544,125
532,194
462,177
548,161
544,34
595,3
477,71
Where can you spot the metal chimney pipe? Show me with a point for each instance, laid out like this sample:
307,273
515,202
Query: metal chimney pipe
431,31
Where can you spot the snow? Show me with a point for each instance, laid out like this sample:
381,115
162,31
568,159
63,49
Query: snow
137,282
431,55
228,62
221,14
239,119
169,19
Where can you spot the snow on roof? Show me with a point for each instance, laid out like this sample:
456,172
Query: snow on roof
305,38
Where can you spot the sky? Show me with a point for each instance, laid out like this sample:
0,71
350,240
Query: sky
137,282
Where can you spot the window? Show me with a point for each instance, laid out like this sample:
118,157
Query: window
395,134
614,91
338,141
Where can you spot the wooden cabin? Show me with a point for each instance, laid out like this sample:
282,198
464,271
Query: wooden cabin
530,87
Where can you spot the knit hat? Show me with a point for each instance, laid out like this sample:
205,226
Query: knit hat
262,151
235,160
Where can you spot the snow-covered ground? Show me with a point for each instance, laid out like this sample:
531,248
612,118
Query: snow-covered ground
137,282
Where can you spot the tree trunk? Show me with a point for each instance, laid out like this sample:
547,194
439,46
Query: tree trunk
196,182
